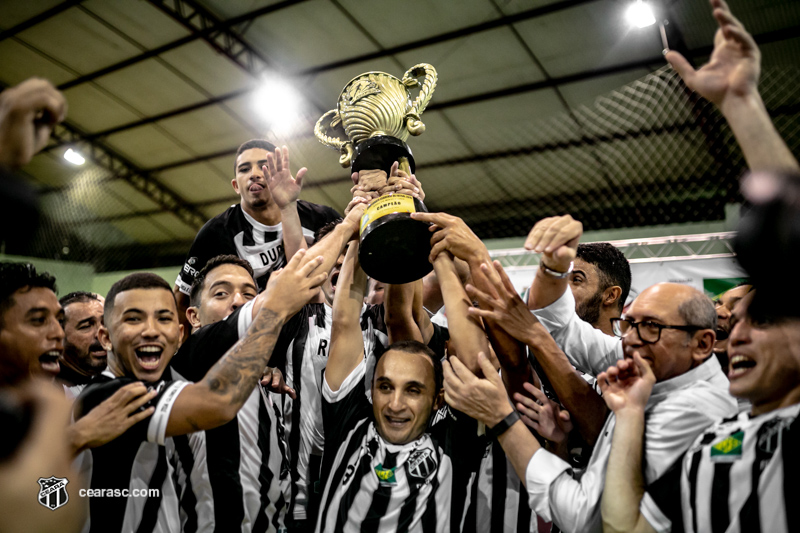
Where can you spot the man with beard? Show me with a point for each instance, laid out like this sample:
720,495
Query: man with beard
84,357
724,305
600,283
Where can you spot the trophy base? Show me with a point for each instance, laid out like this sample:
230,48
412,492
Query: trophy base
395,247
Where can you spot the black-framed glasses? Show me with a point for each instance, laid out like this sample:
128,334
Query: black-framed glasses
649,332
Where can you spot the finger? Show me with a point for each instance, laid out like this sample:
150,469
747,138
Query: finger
494,279
438,236
276,381
644,369
436,250
483,313
684,69
354,177
138,417
485,300
528,422
565,233
563,414
127,393
393,171
526,401
536,393
285,160
137,403
440,219
271,165
463,373
299,178
740,35
528,412
489,371
504,278
451,379
291,392
296,259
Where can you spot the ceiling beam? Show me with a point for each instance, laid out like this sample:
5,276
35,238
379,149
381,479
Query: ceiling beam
121,168
41,17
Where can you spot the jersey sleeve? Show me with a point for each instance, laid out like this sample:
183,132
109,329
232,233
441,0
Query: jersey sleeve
661,504
344,408
207,345
209,242
150,429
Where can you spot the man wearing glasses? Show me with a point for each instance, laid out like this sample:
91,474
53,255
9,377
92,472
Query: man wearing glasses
670,326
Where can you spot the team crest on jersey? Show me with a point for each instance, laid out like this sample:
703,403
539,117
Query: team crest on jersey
53,492
386,476
728,449
421,464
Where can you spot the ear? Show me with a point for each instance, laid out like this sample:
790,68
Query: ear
438,401
235,185
193,315
703,344
104,336
612,295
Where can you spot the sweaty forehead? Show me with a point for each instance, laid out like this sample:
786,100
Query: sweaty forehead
149,300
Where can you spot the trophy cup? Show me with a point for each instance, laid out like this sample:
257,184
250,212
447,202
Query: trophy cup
375,113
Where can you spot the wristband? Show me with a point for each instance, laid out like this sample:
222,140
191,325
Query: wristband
555,273
503,425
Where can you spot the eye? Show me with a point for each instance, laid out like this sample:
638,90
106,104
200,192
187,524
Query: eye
132,319
249,296
649,326
414,391
84,326
37,320
384,387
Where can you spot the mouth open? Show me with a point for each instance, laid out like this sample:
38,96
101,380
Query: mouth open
334,278
394,422
149,356
740,365
49,362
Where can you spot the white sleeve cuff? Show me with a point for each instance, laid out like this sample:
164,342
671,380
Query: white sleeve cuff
157,428
245,317
558,314
542,471
348,384
183,287
653,515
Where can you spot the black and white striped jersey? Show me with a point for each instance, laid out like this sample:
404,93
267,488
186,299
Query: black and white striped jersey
239,476
739,476
305,342
137,459
372,485
499,501
237,233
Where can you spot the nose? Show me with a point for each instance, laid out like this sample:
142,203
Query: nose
396,403
238,300
739,334
56,332
150,329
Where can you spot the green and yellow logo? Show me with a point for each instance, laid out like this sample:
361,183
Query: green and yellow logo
385,475
729,448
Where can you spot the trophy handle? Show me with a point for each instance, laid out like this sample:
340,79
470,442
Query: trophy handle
413,123
344,147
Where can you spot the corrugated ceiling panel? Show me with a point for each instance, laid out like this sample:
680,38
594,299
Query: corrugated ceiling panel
440,140
147,146
206,130
198,182
21,62
180,230
143,230
94,109
141,21
211,70
587,37
13,13
586,92
476,64
79,41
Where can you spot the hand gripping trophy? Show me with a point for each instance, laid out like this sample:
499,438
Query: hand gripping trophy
376,114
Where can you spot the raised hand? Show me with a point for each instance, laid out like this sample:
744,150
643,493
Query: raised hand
401,183
556,238
283,187
453,235
484,400
543,415
627,385
504,306
293,286
28,113
734,67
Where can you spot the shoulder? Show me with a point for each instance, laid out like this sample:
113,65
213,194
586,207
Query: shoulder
97,391
231,218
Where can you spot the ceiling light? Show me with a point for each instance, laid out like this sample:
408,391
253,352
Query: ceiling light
640,15
74,157
278,103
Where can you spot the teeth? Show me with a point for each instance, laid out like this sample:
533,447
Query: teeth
149,349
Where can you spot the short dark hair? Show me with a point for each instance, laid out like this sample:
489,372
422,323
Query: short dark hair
214,262
327,228
412,346
19,276
137,280
249,145
77,296
612,266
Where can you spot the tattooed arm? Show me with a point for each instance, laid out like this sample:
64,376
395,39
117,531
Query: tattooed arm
218,397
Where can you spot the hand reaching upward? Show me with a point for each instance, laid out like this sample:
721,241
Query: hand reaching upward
283,187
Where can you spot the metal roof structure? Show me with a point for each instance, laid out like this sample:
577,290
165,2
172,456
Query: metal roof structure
162,92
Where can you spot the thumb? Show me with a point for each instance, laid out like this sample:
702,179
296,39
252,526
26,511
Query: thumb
685,70
299,178
564,415
644,369
489,371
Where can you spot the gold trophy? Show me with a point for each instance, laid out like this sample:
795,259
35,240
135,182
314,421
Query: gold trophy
375,113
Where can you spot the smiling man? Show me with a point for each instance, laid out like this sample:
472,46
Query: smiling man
31,337
755,449
251,229
142,334
84,357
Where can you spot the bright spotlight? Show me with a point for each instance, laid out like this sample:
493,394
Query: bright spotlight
640,15
74,157
278,103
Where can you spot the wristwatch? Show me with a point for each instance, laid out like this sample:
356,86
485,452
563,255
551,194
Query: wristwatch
501,427
555,273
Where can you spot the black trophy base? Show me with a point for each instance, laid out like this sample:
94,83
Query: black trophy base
380,153
395,248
